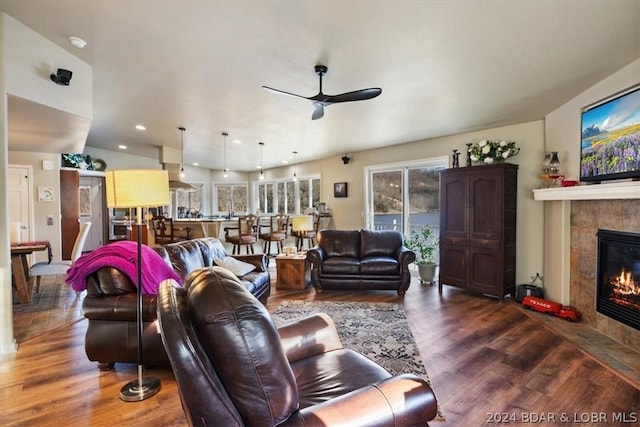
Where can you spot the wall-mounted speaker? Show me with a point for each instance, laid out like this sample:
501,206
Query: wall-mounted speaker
62,77
345,159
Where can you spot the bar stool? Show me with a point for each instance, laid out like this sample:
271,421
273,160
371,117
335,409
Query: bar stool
245,234
277,232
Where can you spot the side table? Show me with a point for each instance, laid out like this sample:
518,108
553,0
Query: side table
293,272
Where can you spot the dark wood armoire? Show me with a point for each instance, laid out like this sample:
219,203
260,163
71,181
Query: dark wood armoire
478,228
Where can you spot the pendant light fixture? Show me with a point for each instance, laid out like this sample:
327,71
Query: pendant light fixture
261,144
225,135
295,175
182,129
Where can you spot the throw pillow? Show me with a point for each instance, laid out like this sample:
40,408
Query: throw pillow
237,267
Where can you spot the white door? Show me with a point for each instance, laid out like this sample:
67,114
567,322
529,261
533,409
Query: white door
19,192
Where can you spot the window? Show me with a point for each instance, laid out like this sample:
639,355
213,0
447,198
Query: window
403,197
187,200
281,197
231,198
288,196
291,197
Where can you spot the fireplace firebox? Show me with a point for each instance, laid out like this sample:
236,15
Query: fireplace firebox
618,276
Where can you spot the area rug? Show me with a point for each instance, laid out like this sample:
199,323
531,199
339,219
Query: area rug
48,298
379,331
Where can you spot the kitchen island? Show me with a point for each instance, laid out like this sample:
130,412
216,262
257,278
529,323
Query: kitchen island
206,227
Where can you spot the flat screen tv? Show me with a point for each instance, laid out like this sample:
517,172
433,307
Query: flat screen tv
610,143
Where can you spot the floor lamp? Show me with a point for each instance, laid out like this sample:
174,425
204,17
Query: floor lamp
138,188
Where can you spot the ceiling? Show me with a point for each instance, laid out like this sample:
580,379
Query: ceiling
445,67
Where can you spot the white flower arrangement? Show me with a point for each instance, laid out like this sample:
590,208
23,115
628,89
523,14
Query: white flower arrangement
492,151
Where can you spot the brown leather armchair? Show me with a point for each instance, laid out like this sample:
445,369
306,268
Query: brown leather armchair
234,368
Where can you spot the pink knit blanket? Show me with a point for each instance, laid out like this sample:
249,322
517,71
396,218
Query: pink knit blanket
122,255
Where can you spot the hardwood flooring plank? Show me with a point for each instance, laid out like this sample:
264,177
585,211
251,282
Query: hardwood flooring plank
483,357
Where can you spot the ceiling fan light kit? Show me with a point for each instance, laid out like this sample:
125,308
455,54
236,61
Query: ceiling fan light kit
322,100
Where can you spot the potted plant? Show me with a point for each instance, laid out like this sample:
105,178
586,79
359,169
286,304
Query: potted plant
424,242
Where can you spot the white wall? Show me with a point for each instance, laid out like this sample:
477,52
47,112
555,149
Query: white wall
196,175
27,60
30,61
7,342
562,130
122,159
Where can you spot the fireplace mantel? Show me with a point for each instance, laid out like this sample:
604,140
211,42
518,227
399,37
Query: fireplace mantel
608,191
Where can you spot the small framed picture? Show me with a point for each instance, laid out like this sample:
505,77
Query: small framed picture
45,194
339,189
84,194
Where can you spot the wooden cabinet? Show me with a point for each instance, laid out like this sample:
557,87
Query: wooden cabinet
133,234
478,228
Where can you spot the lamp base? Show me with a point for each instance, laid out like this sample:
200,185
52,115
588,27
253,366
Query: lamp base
131,392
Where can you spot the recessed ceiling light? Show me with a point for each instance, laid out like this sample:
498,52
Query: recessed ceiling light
237,141
196,164
77,42
122,147
141,127
285,161
258,167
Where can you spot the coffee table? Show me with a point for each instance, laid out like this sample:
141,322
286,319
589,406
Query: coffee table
293,272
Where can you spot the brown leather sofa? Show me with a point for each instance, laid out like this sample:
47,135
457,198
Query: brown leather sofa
110,303
234,368
365,259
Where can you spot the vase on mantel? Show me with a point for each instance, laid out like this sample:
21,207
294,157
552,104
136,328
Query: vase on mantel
550,176
554,164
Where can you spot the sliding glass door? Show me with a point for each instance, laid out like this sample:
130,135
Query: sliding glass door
423,198
404,197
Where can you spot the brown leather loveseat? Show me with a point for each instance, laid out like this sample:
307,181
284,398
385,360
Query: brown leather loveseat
365,259
110,303
234,368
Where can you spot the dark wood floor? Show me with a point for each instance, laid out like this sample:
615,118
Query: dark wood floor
483,358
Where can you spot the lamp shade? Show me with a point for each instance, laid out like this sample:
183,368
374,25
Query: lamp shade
132,188
302,223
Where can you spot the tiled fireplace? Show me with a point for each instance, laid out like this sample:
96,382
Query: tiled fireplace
587,217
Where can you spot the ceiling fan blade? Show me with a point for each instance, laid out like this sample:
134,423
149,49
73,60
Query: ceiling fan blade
281,92
318,113
356,95
322,100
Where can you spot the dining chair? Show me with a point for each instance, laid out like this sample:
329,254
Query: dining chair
53,268
244,234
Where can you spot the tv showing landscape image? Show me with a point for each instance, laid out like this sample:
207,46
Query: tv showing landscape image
610,143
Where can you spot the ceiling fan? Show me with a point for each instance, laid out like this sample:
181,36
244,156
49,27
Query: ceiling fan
322,100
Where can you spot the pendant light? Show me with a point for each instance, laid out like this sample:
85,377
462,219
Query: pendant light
182,174
225,135
261,144
295,175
